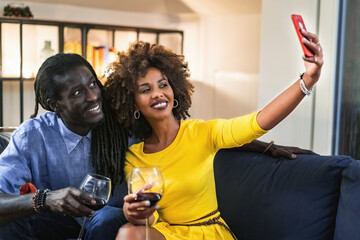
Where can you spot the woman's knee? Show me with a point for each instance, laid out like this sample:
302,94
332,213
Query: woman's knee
130,231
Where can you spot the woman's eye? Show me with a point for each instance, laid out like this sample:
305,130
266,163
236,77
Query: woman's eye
145,90
163,85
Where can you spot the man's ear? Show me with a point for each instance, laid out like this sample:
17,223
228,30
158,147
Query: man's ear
54,106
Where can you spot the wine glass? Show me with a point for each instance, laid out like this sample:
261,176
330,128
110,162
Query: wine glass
99,188
148,184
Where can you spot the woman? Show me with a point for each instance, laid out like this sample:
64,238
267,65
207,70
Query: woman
151,94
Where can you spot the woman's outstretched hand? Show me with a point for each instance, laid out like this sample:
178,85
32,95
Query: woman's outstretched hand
314,63
286,102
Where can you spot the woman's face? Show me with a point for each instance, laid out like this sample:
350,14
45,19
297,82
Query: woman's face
154,97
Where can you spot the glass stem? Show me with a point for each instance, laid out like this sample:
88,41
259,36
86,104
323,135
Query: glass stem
82,229
147,228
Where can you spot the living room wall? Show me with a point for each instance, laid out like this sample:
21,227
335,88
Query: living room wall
310,125
240,61
221,48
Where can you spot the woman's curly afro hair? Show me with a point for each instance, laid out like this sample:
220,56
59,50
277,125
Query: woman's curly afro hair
134,64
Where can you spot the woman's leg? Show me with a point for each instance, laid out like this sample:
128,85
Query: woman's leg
132,232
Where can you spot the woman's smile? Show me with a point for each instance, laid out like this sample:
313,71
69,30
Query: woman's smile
154,93
160,105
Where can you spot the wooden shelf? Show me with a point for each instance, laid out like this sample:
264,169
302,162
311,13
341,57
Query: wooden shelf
27,36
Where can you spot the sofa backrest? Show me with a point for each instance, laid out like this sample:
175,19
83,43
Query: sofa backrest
261,197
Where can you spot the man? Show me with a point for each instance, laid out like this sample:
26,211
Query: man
55,151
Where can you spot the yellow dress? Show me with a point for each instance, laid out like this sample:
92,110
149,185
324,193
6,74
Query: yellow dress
187,167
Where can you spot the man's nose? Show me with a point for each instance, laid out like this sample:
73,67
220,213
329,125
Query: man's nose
92,95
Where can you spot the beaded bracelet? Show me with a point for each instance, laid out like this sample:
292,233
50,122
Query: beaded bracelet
268,146
39,200
303,87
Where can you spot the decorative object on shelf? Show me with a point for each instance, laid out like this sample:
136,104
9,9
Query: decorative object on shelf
47,51
12,10
72,47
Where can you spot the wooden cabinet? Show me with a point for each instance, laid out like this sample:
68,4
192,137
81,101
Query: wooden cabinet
25,43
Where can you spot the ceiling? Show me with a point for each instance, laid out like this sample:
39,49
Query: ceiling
224,7
167,7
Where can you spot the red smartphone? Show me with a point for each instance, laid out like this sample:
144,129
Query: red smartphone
299,24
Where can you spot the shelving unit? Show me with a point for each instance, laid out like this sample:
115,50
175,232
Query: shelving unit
22,42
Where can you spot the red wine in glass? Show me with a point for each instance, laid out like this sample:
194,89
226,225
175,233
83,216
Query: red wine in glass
148,184
99,188
100,203
150,196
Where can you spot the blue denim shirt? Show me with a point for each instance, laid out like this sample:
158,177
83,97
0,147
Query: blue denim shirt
45,152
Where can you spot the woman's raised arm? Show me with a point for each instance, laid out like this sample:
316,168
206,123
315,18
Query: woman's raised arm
286,102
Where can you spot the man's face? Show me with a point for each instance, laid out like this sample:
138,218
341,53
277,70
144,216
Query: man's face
80,103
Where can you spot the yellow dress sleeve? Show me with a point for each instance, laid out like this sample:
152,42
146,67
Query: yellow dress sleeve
237,131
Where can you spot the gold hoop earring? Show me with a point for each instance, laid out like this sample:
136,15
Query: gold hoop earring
176,103
136,115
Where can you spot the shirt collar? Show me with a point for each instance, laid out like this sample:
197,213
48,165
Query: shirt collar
70,138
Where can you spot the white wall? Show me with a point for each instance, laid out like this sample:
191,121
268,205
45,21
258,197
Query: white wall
229,63
239,62
324,106
214,45
281,63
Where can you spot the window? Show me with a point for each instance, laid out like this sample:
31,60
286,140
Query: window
347,112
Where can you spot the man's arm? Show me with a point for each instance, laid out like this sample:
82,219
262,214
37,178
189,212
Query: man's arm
64,201
15,172
274,150
13,207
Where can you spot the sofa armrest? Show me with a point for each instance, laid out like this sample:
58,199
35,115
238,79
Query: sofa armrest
348,219
5,135
4,140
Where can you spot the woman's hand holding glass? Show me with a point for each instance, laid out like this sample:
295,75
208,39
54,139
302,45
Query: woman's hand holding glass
146,186
136,212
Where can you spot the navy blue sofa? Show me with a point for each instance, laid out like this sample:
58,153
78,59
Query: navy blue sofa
263,198
311,198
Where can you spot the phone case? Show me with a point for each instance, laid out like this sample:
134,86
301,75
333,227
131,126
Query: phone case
299,24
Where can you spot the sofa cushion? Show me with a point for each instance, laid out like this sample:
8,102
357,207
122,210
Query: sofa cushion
261,197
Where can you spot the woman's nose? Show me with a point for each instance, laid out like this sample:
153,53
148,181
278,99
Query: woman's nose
157,93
